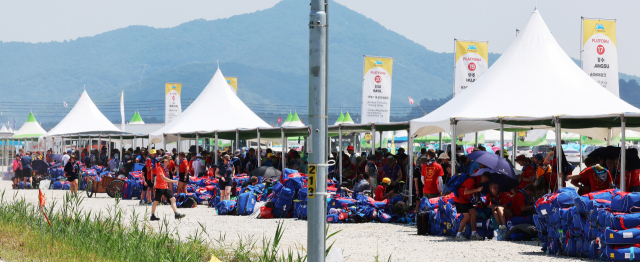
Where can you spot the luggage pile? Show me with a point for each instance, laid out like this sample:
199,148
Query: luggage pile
246,200
598,225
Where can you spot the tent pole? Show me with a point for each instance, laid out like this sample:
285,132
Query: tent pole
197,143
134,142
178,145
440,142
340,152
109,148
501,139
237,140
476,141
120,149
515,148
216,148
453,149
580,143
373,139
559,150
258,151
609,137
410,165
53,141
284,147
63,145
623,153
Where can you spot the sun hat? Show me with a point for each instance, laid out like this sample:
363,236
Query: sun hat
227,157
153,151
350,148
444,156
198,155
386,181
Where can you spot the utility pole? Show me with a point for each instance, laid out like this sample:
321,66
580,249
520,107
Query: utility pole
318,123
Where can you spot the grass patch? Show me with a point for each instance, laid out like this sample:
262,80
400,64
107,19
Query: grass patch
82,236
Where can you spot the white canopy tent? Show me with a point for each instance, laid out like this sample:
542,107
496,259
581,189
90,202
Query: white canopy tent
535,68
84,118
231,113
31,128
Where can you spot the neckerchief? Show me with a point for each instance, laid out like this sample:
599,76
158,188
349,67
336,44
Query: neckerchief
601,172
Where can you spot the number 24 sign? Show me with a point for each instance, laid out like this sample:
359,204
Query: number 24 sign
313,171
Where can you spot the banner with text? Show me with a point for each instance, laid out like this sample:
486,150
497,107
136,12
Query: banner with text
472,59
376,89
172,107
233,83
600,52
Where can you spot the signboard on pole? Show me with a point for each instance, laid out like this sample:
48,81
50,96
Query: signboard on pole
599,54
312,181
172,107
472,60
233,83
376,89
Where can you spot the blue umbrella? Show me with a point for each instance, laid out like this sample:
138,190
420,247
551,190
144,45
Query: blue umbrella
501,171
56,157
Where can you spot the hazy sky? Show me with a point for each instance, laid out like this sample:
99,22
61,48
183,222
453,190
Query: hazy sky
433,24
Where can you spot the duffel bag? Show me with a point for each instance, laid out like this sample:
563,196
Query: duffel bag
621,221
621,253
621,237
625,202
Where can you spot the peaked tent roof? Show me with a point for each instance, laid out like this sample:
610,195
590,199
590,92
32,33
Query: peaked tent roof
30,129
347,119
295,121
136,119
84,118
286,121
4,129
236,114
536,68
340,119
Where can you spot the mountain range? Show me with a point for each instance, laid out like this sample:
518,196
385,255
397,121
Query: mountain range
267,50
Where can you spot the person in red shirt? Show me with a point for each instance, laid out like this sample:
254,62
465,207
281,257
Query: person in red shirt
522,204
431,171
498,202
594,178
162,188
552,178
148,172
183,173
464,206
528,174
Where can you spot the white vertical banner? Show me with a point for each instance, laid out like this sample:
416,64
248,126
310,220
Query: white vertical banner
599,54
121,110
172,107
376,89
471,61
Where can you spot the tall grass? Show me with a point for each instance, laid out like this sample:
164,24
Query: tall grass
114,237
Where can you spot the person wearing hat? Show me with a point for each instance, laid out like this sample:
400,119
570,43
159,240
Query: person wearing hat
197,166
269,160
352,155
528,173
237,161
161,187
71,170
66,158
147,184
384,190
225,173
372,170
593,178
446,167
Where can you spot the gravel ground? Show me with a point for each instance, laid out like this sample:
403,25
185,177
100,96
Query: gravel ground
399,241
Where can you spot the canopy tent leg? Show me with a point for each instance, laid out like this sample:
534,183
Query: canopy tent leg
501,139
216,148
373,139
237,140
609,137
340,152
410,165
99,145
453,149
258,151
284,147
440,142
121,149
476,140
581,153
109,148
197,143
179,143
623,153
515,148
78,148
559,151
63,147
134,142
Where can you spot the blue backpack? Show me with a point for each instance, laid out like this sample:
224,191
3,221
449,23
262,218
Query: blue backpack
226,207
456,181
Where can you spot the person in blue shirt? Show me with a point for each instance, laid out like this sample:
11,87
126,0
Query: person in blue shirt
26,169
269,160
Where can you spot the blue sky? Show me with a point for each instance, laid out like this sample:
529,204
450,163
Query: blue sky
433,24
